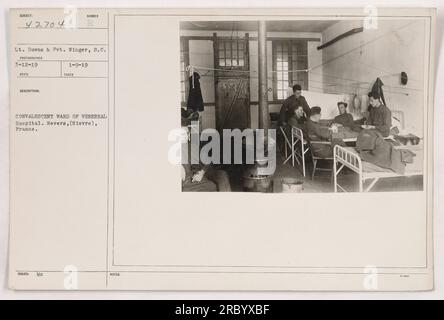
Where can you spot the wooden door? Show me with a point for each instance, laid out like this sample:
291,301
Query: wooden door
232,82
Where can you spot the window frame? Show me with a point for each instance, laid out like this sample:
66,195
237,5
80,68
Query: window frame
245,52
292,58
184,62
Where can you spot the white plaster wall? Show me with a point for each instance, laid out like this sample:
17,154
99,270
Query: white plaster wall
202,54
395,46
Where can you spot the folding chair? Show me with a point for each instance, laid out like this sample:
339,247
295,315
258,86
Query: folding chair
297,138
287,145
316,158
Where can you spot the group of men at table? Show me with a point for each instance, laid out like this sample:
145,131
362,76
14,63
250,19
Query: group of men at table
296,112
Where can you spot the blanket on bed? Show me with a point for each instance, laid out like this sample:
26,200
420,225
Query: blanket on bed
374,149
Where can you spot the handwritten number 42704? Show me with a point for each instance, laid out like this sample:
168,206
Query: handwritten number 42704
45,24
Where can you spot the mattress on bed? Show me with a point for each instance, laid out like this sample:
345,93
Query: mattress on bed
371,170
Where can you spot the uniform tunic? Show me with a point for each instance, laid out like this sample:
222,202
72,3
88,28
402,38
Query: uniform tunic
316,132
297,122
290,105
346,119
381,118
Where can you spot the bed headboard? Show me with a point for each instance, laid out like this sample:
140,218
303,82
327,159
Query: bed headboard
398,117
347,157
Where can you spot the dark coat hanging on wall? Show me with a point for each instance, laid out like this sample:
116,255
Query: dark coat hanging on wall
195,100
377,88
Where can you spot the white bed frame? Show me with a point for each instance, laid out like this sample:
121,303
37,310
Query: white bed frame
349,158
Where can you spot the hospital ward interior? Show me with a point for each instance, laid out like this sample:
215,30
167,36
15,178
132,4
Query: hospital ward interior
345,100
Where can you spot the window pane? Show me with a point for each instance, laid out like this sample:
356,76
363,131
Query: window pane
231,53
234,46
183,74
285,48
284,53
241,46
302,62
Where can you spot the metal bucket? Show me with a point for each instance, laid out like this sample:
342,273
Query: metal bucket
254,182
291,185
257,183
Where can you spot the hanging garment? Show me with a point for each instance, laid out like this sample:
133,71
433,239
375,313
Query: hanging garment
377,88
357,104
195,100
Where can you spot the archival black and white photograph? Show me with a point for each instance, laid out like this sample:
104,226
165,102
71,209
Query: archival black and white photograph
304,105
161,148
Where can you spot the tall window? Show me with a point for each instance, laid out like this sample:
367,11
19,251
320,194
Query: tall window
281,59
289,58
232,53
183,73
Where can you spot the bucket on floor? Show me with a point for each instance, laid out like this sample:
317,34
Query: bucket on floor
292,185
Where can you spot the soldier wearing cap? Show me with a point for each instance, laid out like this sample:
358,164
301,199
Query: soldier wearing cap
317,132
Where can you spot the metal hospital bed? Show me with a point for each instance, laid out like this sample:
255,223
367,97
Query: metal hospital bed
368,172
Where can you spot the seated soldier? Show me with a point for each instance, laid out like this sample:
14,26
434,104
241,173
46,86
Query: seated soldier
380,117
199,177
298,119
194,181
204,178
316,132
291,104
344,119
